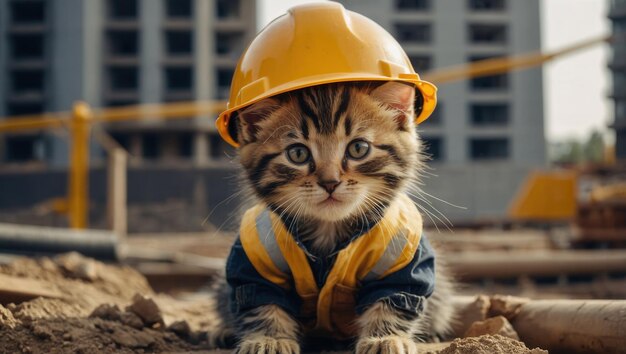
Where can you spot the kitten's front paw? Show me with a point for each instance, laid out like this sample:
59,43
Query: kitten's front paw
268,345
386,345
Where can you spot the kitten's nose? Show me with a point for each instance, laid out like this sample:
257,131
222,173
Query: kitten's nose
329,186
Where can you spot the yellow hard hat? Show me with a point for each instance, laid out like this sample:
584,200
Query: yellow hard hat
315,44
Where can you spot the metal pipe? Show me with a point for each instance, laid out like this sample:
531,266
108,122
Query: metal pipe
38,240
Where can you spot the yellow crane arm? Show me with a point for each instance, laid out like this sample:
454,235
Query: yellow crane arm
504,64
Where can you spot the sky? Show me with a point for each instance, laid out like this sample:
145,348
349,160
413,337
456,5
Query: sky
575,86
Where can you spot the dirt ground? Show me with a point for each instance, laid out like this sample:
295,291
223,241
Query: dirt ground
90,307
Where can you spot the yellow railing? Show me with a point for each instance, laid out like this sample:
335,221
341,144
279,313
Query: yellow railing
79,122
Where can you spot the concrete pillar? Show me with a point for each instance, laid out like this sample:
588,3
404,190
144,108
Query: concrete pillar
65,52
201,149
4,22
151,85
117,215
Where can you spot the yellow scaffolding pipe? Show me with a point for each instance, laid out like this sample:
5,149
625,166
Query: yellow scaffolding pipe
78,188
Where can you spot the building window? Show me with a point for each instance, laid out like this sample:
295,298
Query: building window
489,148
412,4
179,8
18,109
28,12
620,113
185,145
27,81
436,118
150,146
228,9
122,139
490,114
27,46
121,102
179,42
486,4
619,25
492,82
219,148
124,78
123,9
433,148
487,34
230,44
123,43
21,148
413,33
179,78
619,81
224,77
421,63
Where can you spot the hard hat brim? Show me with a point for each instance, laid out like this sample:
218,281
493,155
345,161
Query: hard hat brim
426,89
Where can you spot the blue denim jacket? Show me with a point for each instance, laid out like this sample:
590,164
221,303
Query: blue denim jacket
405,290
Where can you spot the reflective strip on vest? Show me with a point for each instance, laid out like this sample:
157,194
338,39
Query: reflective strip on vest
268,239
388,259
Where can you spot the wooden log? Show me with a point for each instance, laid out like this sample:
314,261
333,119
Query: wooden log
573,326
476,265
464,241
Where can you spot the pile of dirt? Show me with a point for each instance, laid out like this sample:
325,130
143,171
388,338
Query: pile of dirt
87,316
489,344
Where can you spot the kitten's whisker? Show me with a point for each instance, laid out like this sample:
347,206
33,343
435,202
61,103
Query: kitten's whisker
421,198
204,221
443,201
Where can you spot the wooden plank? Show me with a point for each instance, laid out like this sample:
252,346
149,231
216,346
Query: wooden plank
15,289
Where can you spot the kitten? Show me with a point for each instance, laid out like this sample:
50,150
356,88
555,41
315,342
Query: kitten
331,160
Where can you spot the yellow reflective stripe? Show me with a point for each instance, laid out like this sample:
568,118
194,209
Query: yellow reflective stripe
268,239
296,259
406,256
256,252
411,219
392,254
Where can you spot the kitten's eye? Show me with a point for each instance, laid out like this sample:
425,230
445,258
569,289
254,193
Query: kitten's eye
298,154
358,149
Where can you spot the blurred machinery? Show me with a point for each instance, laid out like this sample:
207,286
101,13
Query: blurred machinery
592,199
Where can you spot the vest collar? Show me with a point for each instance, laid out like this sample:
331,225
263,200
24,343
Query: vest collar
361,228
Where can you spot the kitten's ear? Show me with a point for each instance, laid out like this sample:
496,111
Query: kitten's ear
247,121
399,96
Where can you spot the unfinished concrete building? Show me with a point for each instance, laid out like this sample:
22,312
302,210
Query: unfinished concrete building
114,53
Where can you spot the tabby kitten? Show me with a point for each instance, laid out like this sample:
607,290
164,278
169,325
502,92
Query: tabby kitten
329,159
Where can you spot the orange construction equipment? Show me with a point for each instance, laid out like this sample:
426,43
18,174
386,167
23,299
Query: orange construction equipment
546,196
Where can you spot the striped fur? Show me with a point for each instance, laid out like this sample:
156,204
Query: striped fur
326,119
